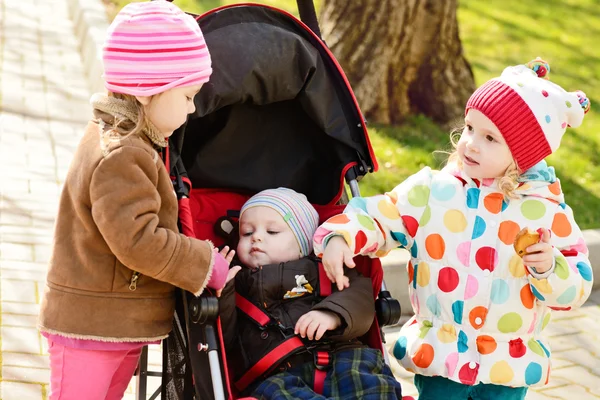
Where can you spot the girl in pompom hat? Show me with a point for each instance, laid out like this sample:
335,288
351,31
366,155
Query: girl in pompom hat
117,252
280,278
481,293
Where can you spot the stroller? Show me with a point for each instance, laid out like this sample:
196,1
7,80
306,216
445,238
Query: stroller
278,111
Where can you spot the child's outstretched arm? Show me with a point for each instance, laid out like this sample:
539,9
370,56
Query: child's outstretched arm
125,204
374,225
568,282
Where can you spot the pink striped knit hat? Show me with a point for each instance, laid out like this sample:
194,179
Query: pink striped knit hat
530,112
153,46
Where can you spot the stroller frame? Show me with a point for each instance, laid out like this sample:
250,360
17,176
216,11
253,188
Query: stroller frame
388,309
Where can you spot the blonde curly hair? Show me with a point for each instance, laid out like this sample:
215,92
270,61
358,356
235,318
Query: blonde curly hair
126,116
139,121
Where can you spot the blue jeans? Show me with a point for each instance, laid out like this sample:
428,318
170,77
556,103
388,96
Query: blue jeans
436,387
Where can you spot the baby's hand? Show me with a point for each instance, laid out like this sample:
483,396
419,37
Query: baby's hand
336,254
228,256
541,256
315,323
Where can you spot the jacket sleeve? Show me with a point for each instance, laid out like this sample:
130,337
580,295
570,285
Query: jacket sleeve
125,203
375,225
228,313
570,284
355,305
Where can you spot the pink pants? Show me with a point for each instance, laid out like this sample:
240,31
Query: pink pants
90,374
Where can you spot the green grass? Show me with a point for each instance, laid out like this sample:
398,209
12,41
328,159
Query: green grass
566,33
403,150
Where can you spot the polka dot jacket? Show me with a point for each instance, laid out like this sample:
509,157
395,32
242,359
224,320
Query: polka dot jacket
479,312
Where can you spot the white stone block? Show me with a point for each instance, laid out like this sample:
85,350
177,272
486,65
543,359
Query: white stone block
18,291
20,340
20,391
21,309
33,375
16,251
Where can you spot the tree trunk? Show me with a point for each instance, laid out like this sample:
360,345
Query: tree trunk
402,57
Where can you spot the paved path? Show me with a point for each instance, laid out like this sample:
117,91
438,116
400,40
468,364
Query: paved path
43,109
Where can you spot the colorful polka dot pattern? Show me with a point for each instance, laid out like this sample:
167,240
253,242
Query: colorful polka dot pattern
469,289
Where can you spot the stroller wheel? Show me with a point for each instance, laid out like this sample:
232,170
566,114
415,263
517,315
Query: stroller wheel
388,309
203,309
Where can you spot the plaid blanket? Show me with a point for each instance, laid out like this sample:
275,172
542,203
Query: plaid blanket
353,374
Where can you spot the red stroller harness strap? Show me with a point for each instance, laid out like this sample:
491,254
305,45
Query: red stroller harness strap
289,346
248,308
264,364
322,360
324,282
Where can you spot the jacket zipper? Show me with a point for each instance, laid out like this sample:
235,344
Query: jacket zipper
134,280
260,286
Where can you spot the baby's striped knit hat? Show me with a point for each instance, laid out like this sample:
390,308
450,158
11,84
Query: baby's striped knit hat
152,47
295,210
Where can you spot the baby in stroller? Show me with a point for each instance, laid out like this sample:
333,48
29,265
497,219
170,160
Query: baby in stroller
280,295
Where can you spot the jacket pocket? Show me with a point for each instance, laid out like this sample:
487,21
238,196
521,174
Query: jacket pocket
130,282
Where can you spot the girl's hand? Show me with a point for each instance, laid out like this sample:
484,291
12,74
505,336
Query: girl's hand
336,254
542,257
315,323
228,256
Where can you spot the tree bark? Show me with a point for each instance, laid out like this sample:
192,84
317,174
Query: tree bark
402,57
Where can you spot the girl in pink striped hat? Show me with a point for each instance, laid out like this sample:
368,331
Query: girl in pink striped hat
117,252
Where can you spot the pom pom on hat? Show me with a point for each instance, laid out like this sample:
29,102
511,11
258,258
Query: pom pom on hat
530,112
540,67
584,102
153,46
294,208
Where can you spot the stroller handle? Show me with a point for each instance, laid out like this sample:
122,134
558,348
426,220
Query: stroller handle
308,15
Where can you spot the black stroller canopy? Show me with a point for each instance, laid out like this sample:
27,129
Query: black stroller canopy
276,112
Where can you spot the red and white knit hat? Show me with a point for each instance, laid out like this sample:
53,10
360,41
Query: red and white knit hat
153,46
530,112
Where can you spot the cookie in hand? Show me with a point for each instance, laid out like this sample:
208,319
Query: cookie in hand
525,238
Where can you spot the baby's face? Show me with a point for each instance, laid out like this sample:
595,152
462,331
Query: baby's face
265,238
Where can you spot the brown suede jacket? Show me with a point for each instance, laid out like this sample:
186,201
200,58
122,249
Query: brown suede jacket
117,254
